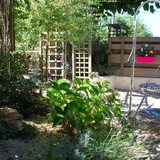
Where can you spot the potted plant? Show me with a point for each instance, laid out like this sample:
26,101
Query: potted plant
146,53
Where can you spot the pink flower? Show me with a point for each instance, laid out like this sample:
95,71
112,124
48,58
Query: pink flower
115,123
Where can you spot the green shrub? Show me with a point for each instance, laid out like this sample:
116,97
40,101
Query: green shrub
105,69
21,95
15,91
82,104
99,55
24,131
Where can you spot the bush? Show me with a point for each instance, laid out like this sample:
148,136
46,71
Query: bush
15,91
21,95
100,58
105,69
24,131
82,104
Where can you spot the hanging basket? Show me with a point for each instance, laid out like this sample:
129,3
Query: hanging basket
145,59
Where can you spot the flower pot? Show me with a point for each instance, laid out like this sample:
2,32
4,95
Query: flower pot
144,59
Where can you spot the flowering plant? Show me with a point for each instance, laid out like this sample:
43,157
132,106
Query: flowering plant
146,50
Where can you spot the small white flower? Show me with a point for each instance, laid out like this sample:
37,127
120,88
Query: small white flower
141,49
146,45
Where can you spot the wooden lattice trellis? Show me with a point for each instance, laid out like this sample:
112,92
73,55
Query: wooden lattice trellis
52,58
81,60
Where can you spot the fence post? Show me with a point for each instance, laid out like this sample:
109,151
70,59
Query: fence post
122,56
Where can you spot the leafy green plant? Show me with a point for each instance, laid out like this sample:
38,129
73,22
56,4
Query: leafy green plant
81,104
29,156
13,65
15,91
21,95
24,131
146,50
104,144
105,69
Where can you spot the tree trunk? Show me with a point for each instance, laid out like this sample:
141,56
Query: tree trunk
6,26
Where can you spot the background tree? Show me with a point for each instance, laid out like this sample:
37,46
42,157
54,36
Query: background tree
126,6
74,19
142,29
69,16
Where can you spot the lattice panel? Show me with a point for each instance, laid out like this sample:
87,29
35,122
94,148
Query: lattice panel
82,61
57,60
54,57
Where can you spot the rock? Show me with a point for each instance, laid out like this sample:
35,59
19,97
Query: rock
9,118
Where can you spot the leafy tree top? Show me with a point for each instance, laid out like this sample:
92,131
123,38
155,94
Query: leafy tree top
127,6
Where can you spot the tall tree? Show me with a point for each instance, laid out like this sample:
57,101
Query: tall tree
7,31
7,35
5,26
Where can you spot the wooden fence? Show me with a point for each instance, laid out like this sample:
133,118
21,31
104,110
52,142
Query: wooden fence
121,48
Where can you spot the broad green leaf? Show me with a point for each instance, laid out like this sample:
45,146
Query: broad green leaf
77,81
59,81
58,110
72,121
60,115
157,4
94,89
72,106
65,110
52,91
99,118
83,112
50,117
64,86
117,112
57,121
88,120
152,9
86,81
59,101
109,114
54,83
83,89
146,7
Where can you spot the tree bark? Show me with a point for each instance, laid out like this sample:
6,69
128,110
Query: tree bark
6,27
